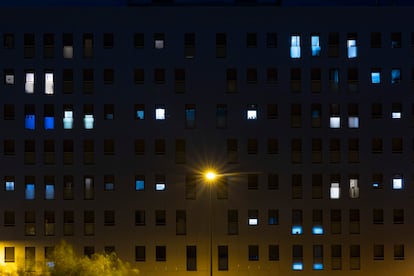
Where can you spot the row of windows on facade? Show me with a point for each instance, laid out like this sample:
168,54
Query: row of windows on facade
253,220
317,43
253,253
376,77
334,190
251,112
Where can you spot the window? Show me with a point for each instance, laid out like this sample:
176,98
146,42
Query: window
252,181
190,115
335,191
353,187
354,257
139,182
159,146
88,81
68,223
316,83
396,112
191,253
333,79
139,217
297,222
30,81
8,147
109,111
336,257
88,251
140,253
109,146
397,145
89,223
67,77
271,75
108,40
223,258
8,76
29,191
9,218
139,40
353,115
49,187
253,252
9,183
297,186
189,45
30,117
271,40
160,253
317,222
179,80
160,182
88,118
109,218
395,40
317,186
231,77
318,257
180,222
251,75
88,45
295,80
378,216
398,216
139,112
398,251
139,75
67,46
221,45
253,217
232,151
67,117
159,113
49,117
88,187
295,46
49,223
30,223
8,254
378,252
139,145
375,75
352,45
395,75
252,112
376,181
397,182
316,150
296,150
272,146
273,217
108,76
88,152
376,111
333,44
335,119
297,257
315,46
221,116
354,221
232,222
8,41
251,40
159,41
29,45
68,189
273,252
190,187
49,84
376,40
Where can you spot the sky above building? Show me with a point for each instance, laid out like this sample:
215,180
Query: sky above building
32,3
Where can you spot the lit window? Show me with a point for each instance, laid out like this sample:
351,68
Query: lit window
396,111
160,186
160,113
353,188
316,48
395,76
159,41
9,185
353,122
253,217
297,266
252,112
9,78
139,183
29,122
376,77
335,191
49,123
68,119
317,230
297,230
50,191
68,51
397,183
49,85
352,48
29,85
30,192
295,46
396,115
335,122
318,266
88,121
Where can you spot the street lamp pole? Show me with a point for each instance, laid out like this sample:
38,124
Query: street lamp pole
210,176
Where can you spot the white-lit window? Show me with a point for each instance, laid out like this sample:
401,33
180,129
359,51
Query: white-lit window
30,121
396,115
315,47
160,186
317,230
297,230
9,186
335,122
352,48
159,44
295,46
49,85
353,122
50,191
9,79
29,84
335,191
88,121
68,51
397,182
68,119
160,113
252,112
297,266
253,221
376,77
353,188
30,191
49,123
395,76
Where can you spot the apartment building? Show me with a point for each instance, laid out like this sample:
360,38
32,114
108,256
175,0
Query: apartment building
111,116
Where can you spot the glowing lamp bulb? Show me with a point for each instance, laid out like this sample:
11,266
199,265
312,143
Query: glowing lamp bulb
210,175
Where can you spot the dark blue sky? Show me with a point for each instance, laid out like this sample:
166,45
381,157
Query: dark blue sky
284,2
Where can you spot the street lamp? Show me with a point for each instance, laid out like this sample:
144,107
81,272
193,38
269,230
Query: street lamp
210,176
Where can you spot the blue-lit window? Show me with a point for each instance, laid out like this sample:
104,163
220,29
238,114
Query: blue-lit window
109,186
297,266
140,114
190,116
30,121
297,230
317,230
30,191
352,48
295,46
317,257
375,77
139,184
160,186
273,217
353,122
9,186
49,191
49,123
315,46
397,183
68,119
376,185
317,266
395,76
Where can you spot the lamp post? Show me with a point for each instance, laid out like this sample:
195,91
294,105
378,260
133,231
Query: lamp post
210,176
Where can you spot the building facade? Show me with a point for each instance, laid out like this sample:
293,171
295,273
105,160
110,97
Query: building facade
110,117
